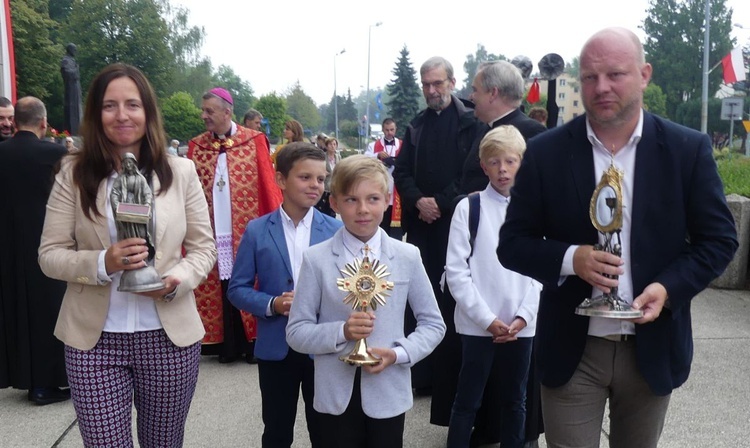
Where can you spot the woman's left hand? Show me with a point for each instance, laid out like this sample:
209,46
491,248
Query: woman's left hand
170,283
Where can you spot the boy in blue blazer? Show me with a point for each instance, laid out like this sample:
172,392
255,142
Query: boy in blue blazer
362,406
263,283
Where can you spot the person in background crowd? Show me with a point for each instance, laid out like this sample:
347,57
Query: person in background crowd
33,358
320,141
70,144
386,149
173,148
252,120
427,174
539,114
292,133
6,119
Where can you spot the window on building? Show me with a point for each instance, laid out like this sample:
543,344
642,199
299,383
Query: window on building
561,95
575,89
562,82
562,110
575,103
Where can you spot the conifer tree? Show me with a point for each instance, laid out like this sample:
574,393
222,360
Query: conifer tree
404,92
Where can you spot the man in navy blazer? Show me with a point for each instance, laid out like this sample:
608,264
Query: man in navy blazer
677,236
263,282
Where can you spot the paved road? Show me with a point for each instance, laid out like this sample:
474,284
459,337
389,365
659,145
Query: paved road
710,410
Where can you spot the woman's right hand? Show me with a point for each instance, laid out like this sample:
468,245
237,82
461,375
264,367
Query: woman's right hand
127,254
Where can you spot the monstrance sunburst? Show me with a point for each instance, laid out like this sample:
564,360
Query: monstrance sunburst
365,281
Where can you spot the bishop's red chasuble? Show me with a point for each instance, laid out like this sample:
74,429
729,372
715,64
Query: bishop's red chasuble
253,193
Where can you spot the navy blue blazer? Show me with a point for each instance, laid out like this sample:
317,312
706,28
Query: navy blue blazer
683,236
263,256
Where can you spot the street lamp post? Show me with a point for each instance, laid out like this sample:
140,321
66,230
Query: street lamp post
704,92
335,95
367,107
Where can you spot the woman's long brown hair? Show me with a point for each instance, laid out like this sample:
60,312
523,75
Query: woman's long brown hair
95,161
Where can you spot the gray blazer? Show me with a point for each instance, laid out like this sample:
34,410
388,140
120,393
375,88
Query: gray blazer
318,314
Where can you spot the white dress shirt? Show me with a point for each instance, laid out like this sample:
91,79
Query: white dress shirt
127,312
484,290
624,160
297,238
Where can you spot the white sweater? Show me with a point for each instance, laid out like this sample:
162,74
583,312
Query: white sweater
483,289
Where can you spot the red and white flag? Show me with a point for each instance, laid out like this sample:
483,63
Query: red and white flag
734,66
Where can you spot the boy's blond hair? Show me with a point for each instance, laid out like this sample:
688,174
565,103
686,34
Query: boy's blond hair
501,140
354,169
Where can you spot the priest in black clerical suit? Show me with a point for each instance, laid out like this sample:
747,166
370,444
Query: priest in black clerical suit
498,92
30,356
427,172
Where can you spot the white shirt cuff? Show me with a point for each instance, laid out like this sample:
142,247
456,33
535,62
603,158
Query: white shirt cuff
101,272
401,356
567,264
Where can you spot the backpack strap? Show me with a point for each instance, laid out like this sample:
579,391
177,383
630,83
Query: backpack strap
473,219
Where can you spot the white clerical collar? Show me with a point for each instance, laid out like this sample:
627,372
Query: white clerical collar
232,131
492,123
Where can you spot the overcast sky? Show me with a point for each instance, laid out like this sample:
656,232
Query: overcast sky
273,44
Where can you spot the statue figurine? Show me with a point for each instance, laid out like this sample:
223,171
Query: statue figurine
72,80
131,201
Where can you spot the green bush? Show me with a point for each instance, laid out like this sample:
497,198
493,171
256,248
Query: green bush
735,173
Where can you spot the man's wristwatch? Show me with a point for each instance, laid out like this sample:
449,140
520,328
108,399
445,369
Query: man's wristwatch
169,296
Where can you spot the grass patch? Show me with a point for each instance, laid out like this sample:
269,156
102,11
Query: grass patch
735,173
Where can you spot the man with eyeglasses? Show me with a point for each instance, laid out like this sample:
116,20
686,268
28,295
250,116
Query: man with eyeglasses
428,169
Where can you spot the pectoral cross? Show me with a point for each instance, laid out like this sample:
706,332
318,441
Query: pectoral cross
221,183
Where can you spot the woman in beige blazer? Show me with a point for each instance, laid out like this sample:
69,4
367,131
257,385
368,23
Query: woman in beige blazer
123,347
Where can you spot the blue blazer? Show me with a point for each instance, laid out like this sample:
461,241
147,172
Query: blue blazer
683,236
263,256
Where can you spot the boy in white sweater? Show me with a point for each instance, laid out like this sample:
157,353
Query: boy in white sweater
495,308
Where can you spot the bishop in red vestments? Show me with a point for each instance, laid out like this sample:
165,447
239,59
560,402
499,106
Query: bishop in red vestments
237,175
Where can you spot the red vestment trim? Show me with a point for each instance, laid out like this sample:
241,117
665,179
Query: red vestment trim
396,210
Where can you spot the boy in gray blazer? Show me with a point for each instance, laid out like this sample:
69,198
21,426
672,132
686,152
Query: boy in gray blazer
362,406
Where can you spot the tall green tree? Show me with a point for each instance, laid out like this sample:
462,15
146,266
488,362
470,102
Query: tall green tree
129,31
185,41
654,100
674,46
37,57
347,109
195,79
273,107
302,108
328,112
182,118
59,9
404,92
471,65
242,93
